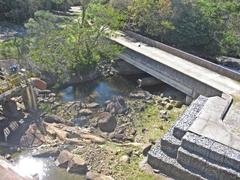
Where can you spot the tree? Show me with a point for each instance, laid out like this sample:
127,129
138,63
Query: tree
223,18
18,11
208,28
152,17
73,46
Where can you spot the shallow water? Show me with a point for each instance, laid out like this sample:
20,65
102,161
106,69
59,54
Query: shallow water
104,89
43,168
100,90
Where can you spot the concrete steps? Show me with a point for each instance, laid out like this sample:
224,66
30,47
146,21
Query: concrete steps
184,155
188,160
211,150
188,117
169,166
170,144
208,170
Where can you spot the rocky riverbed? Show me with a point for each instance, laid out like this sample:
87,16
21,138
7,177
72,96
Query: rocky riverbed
106,134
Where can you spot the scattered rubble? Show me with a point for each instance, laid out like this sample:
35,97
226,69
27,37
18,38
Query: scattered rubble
93,131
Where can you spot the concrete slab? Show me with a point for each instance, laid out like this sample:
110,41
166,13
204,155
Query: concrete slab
195,71
216,131
232,118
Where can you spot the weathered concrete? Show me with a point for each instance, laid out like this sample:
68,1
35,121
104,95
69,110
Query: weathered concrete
185,121
183,154
124,68
170,144
209,123
177,70
197,144
189,57
184,83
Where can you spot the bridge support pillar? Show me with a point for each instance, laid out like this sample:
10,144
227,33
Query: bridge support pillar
29,99
188,100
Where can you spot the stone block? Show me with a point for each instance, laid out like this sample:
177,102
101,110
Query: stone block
202,146
186,120
190,161
217,153
232,159
189,141
170,144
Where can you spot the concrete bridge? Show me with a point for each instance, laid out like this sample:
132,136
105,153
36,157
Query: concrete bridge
204,143
189,74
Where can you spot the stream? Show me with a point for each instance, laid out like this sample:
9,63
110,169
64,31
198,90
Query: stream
42,168
97,91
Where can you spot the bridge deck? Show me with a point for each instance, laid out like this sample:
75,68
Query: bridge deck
195,71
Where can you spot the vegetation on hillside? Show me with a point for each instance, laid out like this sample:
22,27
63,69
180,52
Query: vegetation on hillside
63,44
205,27
19,11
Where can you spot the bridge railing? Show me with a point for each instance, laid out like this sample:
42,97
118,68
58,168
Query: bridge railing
189,57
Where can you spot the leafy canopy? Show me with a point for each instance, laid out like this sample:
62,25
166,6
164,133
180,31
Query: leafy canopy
76,45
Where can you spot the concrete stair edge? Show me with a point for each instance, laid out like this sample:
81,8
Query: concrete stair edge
211,150
207,169
170,144
185,121
169,166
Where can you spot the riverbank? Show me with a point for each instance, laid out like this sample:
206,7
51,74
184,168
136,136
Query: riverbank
110,129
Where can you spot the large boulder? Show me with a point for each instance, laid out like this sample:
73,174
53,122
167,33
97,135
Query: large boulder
33,137
72,162
85,112
77,165
46,153
63,159
93,105
49,118
38,83
117,105
93,138
56,131
106,122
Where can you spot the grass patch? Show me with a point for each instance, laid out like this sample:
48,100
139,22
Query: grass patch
8,50
131,170
155,126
